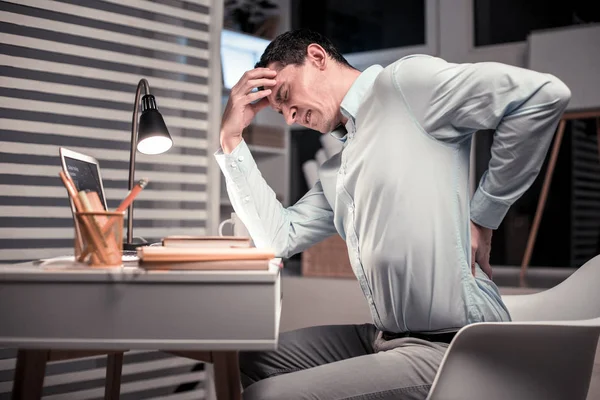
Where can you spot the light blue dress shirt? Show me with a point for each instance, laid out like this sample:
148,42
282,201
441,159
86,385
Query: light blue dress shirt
398,192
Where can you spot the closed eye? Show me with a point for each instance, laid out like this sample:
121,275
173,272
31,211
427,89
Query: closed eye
278,95
279,99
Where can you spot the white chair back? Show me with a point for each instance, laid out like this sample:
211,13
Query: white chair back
546,353
519,361
577,297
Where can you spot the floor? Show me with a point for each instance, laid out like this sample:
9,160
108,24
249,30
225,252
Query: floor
309,302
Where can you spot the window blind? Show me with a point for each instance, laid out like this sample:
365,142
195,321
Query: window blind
68,74
68,78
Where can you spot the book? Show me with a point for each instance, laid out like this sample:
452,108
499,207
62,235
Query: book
205,241
239,265
175,254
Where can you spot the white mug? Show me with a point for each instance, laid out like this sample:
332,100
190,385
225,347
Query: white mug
239,229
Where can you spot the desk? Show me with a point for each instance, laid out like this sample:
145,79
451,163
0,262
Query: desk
216,313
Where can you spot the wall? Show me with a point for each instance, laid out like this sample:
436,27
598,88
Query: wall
387,56
574,56
570,53
68,75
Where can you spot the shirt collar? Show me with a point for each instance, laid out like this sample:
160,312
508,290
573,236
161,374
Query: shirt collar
354,98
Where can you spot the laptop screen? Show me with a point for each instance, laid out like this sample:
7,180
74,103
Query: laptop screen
85,176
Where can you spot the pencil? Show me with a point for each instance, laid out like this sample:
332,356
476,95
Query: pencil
70,186
126,202
132,195
105,223
72,191
94,231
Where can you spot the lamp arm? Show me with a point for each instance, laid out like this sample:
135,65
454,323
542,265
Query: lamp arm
143,84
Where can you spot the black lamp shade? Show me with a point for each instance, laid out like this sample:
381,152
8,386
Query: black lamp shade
153,135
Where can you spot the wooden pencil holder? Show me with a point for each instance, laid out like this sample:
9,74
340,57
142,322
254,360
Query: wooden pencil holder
99,238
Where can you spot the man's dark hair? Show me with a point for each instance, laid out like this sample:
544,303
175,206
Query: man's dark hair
290,48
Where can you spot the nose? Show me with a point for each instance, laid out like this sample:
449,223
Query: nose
290,115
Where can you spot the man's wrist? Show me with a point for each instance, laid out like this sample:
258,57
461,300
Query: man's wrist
229,143
476,224
486,210
479,226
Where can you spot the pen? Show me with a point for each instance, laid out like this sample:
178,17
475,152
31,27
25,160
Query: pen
132,195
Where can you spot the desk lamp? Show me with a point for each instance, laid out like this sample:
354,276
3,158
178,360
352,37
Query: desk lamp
149,135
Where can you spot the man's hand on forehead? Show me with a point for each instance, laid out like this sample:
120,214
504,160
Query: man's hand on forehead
258,73
259,88
255,85
244,103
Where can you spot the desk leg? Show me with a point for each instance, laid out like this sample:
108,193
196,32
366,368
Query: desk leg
227,375
29,374
114,367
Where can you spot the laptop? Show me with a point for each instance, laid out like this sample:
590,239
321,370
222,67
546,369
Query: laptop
85,172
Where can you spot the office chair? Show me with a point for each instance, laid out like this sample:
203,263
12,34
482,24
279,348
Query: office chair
547,352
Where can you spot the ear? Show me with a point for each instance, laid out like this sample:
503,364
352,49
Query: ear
317,56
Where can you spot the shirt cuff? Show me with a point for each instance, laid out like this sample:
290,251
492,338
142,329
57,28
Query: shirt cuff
236,164
486,210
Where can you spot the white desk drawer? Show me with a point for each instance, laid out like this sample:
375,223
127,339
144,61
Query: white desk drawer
148,311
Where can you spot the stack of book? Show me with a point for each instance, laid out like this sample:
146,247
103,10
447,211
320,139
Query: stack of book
205,253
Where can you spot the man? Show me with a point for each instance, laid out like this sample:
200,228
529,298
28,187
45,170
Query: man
398,194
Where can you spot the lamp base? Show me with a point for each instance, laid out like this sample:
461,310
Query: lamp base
135,243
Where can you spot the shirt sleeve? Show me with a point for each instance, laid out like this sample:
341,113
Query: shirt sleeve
285,230
452,101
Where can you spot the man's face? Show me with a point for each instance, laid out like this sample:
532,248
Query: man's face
301,95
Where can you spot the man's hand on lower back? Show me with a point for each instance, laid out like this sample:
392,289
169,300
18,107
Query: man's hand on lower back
481,245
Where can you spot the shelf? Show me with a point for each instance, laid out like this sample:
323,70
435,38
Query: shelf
266,150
